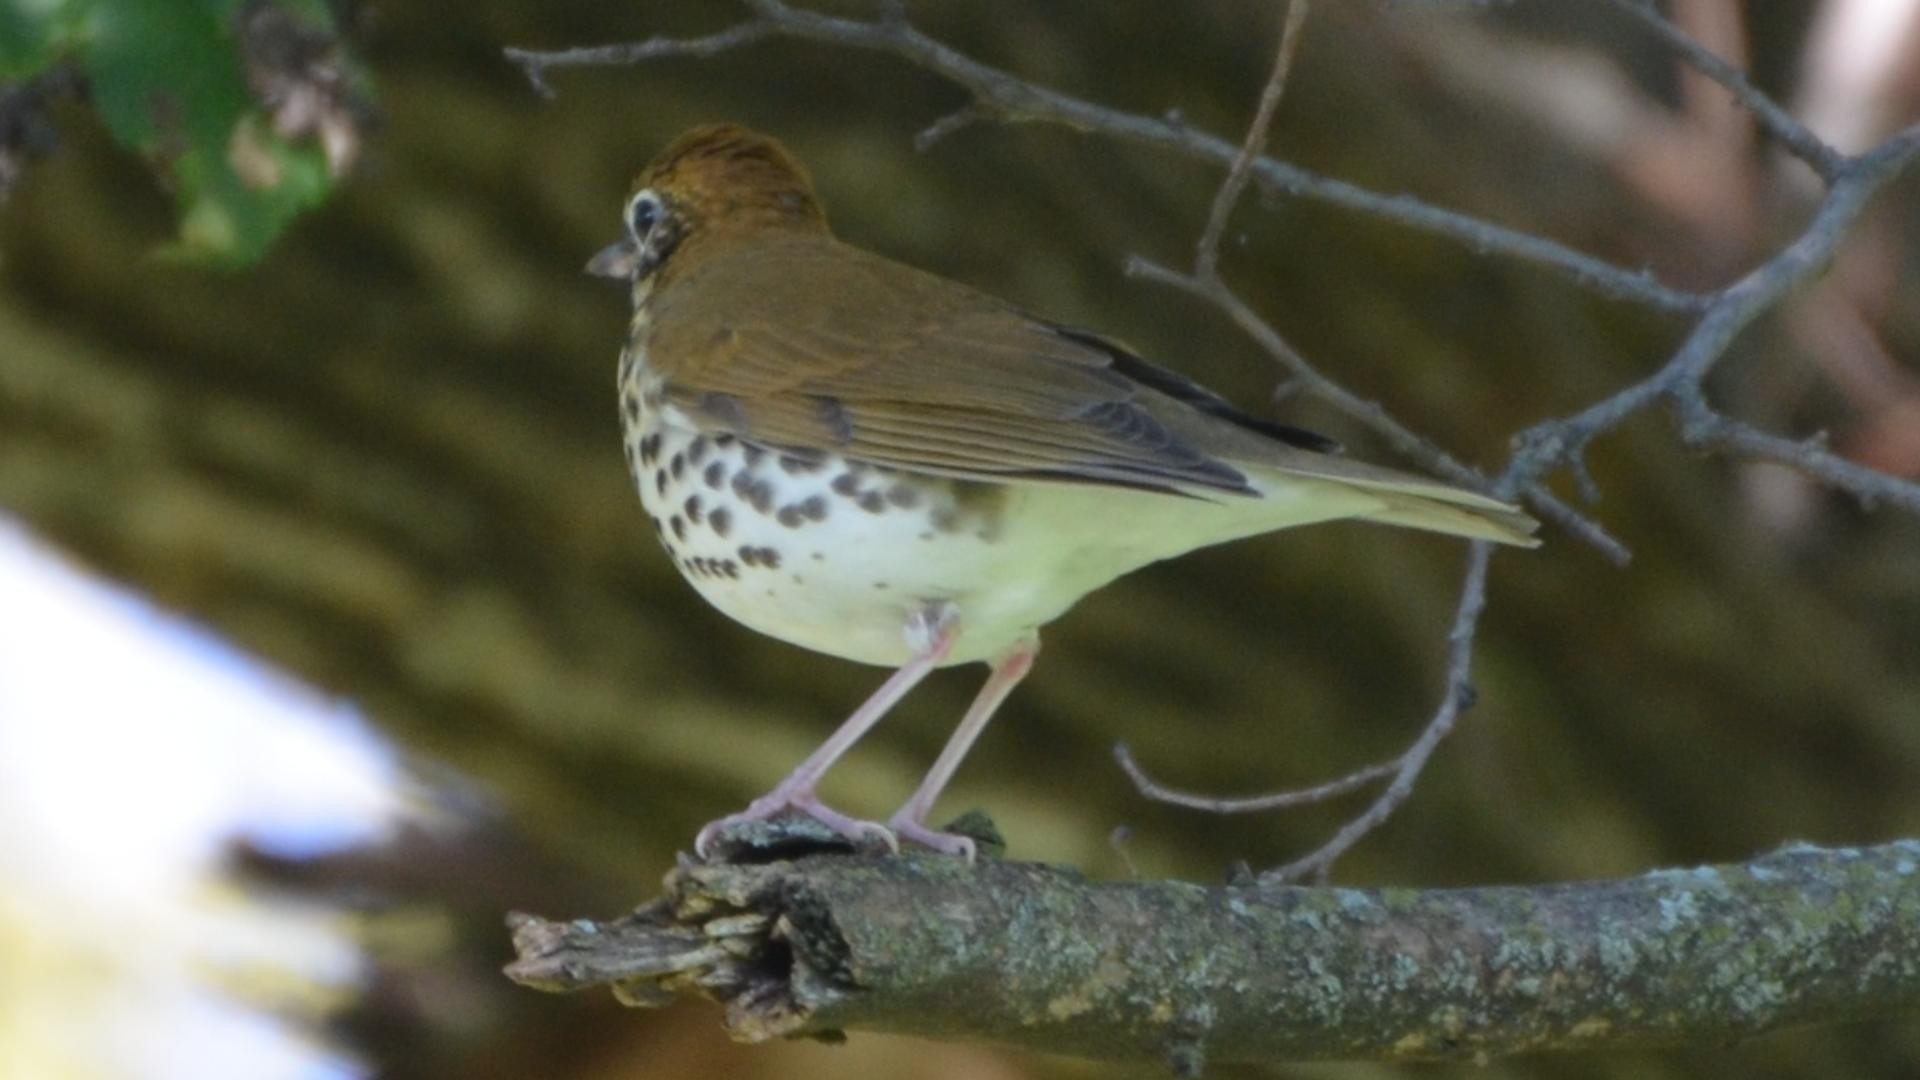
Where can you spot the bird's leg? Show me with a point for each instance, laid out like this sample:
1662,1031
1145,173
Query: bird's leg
930,632
910,821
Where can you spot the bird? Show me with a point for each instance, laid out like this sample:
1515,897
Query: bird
871,461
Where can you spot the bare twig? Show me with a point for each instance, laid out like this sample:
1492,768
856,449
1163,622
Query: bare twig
1019,101
1254,804
1206,257
965,116
536,63
1547,446
1776,121
1704,427
1455,699
1405,768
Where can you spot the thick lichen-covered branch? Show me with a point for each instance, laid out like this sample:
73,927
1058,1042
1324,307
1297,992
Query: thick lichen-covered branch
1037,955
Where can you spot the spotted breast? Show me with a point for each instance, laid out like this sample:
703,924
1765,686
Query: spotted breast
817,549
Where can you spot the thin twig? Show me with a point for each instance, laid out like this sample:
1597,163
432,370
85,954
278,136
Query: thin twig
1206,257
1788,132
1153,789
1016,100
1455,699
965,116
1702,426
536,63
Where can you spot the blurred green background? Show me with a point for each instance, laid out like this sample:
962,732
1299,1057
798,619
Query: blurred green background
387,458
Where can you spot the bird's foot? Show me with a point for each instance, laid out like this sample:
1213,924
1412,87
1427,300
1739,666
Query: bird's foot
947,843
777,802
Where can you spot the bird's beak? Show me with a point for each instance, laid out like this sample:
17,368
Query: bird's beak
615,260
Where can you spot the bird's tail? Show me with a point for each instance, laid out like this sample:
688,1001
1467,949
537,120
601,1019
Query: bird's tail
1457,513
1419,502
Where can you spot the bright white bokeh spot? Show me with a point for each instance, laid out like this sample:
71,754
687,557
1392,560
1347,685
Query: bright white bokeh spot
135,749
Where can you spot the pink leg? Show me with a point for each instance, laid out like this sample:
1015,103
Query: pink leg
931,631
910,821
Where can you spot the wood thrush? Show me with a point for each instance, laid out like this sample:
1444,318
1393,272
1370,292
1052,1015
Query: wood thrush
871,461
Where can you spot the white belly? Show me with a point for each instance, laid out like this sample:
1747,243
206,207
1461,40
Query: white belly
831,555
835,556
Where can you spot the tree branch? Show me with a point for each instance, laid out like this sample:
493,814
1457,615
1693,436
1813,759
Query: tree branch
1544,447
1703,426
535,64
1776,121
1153,789
1403,771
1187,975
1016,100
1456,698
1206,257
1562,442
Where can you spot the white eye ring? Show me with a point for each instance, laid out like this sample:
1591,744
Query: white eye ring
643,212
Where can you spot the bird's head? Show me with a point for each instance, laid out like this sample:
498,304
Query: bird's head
710,183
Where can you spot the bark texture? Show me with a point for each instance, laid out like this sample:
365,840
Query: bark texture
1037,955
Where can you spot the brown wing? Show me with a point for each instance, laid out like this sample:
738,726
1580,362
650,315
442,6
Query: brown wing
807,344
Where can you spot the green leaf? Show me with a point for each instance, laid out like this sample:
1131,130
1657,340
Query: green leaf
33,33
169,81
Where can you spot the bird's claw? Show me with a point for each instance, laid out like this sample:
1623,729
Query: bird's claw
946,843
858,831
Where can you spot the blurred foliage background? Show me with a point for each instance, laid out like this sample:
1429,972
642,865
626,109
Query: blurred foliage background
386,457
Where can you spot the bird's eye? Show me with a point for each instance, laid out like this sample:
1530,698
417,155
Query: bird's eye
642,213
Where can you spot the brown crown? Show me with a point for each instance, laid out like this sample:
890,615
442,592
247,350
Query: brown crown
726,173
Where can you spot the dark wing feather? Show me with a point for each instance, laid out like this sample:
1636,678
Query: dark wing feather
1180,388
